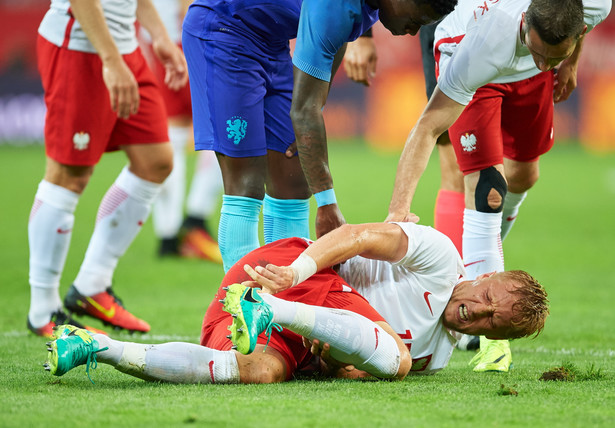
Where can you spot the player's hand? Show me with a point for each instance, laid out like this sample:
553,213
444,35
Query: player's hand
171,56
407,217
291,150
565,81
122,86
329,366
328,217
360,60
272,279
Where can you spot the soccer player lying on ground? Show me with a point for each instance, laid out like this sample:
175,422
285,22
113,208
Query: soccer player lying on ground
411,274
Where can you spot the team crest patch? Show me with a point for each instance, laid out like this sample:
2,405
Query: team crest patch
236,129
81,140
468,142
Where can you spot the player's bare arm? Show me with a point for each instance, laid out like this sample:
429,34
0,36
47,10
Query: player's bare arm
360,60
176,70
440,113
309,97
381,241
566,77
122,86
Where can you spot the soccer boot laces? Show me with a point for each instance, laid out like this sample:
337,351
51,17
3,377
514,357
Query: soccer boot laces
251,317
71,348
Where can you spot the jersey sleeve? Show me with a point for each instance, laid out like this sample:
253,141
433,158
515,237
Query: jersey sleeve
595,11
477,59
429,251
324,26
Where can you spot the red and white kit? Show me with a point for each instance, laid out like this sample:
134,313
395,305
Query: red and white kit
80,125
480,53
412,293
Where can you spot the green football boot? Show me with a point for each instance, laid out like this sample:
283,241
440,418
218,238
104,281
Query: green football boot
494,356
72,347
251,316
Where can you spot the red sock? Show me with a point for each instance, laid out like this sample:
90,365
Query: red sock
448,215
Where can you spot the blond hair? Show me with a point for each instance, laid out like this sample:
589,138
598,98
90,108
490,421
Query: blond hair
532,306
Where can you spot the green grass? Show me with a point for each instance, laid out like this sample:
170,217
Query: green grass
564,236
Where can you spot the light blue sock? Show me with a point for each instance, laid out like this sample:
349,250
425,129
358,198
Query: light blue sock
238,228
284,218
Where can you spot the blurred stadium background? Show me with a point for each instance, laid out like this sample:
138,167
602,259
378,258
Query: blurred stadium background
382,114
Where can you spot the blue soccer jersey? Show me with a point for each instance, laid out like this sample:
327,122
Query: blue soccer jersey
324,26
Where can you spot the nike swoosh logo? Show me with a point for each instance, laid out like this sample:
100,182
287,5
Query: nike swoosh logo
109,313
376,330
511,217
473,263
426,297
63,231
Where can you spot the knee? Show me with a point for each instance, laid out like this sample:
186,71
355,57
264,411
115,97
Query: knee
156,169
520,184
73,178
490,191
405,363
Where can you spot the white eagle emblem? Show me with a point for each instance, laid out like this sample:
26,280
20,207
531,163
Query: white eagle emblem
468,142
81,140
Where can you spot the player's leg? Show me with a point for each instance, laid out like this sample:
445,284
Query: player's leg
75,138
175,362
202,202
49,232
477,139
450,202
286,208
354,338
521,177
530,102
244,188
168,209
228,89
126,205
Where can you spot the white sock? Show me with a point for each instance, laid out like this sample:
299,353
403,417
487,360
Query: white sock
175,362
353,338
122,212
168,210
206,187
512,203
49,232
482,246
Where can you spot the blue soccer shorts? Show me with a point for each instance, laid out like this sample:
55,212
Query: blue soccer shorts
240,97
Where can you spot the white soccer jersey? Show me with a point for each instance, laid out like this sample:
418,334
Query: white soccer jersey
480,43
62,29
411,294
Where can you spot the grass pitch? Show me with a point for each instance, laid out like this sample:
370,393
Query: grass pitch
564,236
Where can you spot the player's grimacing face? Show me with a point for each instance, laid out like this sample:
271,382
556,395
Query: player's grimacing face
402,17
482,307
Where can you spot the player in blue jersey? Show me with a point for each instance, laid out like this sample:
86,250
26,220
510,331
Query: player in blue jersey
242,80
324,28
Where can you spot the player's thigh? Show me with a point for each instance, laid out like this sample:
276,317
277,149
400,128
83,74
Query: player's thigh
527,118
79,119
228,86
476,136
